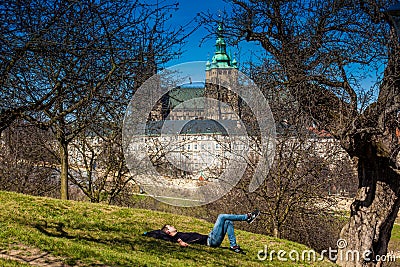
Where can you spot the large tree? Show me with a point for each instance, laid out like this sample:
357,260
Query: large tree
62,61
324,53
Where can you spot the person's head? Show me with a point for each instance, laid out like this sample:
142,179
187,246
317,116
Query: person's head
169,229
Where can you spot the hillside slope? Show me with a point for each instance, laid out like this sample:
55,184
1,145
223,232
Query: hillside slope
50,232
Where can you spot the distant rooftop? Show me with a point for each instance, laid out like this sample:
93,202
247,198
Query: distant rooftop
194,85
190,127
203,127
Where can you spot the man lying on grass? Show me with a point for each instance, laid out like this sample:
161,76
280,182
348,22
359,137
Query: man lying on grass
223,226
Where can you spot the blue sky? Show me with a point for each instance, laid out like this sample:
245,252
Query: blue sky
188,9
194,50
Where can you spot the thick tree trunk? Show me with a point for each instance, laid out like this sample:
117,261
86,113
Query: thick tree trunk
366,236
64,169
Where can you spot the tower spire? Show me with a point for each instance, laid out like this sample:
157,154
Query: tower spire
221,59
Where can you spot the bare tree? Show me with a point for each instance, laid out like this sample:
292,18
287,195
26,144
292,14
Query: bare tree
321,52
60,58
103,174
63,62
98,167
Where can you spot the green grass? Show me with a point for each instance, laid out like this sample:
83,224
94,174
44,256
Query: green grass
85,234
394,244
396,232
11,263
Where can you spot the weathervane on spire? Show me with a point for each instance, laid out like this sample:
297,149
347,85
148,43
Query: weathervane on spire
220,27
220,21
220,13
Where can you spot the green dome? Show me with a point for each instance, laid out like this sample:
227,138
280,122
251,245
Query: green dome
221,59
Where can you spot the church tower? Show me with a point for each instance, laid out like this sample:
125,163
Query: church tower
222,68
221,76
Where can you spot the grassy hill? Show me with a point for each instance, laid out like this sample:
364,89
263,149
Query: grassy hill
50,232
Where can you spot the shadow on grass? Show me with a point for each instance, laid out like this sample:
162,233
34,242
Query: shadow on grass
58,227
151,246
58,230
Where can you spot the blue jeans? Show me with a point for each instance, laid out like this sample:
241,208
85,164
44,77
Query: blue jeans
223,226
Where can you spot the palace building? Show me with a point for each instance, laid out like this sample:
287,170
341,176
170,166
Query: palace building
199,150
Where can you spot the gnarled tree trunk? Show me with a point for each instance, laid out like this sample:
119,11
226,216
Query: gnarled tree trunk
366,236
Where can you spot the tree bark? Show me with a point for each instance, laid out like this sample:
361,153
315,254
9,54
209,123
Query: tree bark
64,169
373,212
277,232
